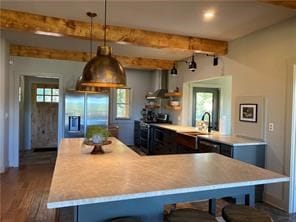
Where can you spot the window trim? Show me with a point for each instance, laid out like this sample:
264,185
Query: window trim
216,105
129,104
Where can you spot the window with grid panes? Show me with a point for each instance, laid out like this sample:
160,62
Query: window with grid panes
47,95
123,103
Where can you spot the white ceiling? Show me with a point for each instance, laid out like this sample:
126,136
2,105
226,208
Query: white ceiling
233,20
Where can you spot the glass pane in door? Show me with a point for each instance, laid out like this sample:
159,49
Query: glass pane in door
203,103
206,100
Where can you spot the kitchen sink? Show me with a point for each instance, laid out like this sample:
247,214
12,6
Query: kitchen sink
187,141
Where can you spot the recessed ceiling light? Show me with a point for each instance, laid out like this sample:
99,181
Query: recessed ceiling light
48,33
209,15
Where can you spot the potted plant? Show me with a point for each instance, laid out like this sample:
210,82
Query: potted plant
97,134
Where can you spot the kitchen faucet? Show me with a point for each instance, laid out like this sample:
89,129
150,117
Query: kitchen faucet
203,118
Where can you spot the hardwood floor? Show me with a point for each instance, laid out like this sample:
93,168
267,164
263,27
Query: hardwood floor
24,192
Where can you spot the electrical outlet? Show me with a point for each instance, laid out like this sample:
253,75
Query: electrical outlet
270,127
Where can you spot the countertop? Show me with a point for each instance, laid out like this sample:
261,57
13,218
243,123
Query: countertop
213,136
177,128
80,178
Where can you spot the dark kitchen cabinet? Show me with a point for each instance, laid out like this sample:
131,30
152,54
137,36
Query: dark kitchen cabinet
205,146
163,141
137,133
186,143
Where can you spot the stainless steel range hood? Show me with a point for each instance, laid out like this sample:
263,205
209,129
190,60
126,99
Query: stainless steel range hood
160,84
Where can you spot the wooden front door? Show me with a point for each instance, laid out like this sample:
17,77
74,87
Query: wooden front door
45,98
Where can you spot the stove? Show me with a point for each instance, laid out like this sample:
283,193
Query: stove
145,135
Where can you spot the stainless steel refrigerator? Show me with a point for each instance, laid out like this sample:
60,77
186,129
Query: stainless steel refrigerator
83,110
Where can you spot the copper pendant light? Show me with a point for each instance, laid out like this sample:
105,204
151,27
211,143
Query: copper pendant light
78,86
89,89
104,70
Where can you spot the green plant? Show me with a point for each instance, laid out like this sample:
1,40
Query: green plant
97,130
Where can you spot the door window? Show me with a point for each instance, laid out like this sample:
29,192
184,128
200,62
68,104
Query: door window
47,94
206,100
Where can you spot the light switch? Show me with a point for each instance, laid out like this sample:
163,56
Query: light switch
270,127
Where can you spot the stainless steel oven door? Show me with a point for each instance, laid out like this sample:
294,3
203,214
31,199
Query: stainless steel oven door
144,137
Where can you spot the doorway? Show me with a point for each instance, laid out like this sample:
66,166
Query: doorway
44,122
38,117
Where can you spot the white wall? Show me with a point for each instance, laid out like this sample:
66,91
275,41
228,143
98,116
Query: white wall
206,75
140,82
225,86
66,71
4,79
260,66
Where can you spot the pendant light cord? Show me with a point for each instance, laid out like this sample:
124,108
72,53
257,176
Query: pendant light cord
91,36
105,26
91,15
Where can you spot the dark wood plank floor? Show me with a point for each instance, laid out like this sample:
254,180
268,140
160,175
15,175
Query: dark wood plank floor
24,193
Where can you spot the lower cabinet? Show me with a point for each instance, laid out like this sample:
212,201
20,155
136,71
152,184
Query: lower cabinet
205,146
185,143
252,154
163,141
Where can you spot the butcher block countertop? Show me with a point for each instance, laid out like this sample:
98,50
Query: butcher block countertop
213,136
80,178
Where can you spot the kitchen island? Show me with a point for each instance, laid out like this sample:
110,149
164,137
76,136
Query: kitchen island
122,183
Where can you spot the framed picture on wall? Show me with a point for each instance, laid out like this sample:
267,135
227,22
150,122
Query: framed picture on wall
248,112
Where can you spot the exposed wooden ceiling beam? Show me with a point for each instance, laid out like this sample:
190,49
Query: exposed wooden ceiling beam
127,62
26,22
288,4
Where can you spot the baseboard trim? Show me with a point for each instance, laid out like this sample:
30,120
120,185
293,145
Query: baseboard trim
275,202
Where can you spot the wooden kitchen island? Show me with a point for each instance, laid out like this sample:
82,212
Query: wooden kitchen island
122,183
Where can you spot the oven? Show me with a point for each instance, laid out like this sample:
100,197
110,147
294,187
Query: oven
145,137
159,135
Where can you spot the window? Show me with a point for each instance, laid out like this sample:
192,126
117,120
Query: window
206,100
123,103
47,95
